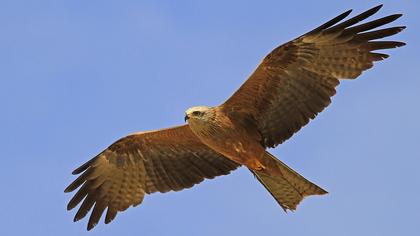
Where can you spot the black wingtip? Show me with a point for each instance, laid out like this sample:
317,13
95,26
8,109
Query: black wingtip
356,19
393,17
107,221
75,219
373,10
86,165
110,215
90,226
70,188
344,14
72,204
79,169
331,22
377,7
82,168
397,15
401,28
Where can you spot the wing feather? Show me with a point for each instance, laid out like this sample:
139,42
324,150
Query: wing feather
120,176
296,80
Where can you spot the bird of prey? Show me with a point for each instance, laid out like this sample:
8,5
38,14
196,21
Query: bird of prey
292,84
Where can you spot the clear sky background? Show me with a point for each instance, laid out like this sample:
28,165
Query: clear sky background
77,75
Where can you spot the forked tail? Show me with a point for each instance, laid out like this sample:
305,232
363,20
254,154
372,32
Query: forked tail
284,184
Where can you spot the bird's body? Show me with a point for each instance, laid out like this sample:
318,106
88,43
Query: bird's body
234,140
290,87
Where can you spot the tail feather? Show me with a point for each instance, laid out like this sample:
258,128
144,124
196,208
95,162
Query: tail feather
286,186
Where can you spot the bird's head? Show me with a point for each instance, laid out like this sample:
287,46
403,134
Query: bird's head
198,114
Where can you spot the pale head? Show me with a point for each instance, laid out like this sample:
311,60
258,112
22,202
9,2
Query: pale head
198,113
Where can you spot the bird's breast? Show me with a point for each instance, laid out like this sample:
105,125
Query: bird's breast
231,141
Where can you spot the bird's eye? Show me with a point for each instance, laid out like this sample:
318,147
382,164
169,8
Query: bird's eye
196,113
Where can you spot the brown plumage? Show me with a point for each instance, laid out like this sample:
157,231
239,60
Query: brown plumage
289,88
139,164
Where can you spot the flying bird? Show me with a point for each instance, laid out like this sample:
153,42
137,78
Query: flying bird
292,84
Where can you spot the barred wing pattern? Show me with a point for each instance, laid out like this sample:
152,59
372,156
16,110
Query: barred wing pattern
296,80
139,164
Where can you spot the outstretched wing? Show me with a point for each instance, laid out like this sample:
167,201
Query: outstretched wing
296,80
139,164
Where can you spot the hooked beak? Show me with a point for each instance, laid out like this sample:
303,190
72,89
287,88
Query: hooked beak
186,118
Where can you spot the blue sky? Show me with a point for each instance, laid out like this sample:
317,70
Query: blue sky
77,75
